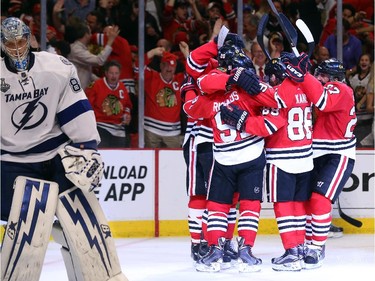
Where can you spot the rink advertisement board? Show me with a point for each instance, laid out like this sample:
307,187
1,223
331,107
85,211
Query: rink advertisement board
149,185
358,195
128,187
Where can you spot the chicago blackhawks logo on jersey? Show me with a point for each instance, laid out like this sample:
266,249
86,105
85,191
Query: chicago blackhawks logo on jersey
112,105
166,98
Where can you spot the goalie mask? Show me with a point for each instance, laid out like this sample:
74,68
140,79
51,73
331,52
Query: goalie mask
332,69
15,42
231,56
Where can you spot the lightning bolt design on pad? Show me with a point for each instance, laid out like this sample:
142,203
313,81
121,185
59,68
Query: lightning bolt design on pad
81,210
32,190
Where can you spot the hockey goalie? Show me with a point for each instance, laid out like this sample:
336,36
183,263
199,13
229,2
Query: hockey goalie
49,166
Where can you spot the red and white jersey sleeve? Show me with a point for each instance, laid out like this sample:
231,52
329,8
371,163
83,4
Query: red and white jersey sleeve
120,52
336,118
199,128
216,81
202,60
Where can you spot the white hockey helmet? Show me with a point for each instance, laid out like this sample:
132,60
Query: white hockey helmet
15,42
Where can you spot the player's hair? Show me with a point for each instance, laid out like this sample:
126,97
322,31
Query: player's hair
232,56
16,31
332,67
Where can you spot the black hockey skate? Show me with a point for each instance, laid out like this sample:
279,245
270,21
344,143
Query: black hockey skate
314,256
247,262
203,248
195,251
199,250
212,261
335,231
291,260
230,254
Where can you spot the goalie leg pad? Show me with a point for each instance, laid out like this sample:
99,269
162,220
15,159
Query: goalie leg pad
29,228
87,245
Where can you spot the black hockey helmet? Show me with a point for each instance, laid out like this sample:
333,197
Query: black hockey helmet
332,67
275,71
232,56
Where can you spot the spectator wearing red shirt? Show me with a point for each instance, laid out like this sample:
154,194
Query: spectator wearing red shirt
121,52
162,120
176,18
112,106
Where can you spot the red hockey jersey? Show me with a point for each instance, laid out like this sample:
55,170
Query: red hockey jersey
109,104
336,118
290,147
230,146
162,103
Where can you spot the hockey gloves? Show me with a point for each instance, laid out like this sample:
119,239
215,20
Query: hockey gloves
296,68
187,85
246,79
83,167
233,116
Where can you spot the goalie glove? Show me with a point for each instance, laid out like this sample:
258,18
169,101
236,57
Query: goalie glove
296,68
246,79
83,167
233,116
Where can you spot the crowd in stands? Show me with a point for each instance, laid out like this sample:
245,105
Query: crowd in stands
92,32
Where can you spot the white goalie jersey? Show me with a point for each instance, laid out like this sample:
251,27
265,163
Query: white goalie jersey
43,110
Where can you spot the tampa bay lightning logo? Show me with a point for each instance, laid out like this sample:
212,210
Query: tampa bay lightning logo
29,115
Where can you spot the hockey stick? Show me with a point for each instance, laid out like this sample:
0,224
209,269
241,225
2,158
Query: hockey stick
346,218
284,27
260,33
292,31
307,34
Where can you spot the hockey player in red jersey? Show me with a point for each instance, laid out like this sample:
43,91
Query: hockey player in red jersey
333,149
239,163
197,148
288,145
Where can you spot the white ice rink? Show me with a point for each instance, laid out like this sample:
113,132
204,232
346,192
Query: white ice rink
351,257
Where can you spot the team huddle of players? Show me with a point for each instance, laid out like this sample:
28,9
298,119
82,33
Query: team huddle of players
242,134
292,135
